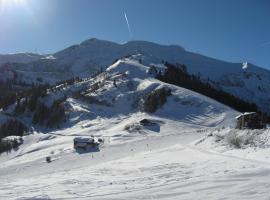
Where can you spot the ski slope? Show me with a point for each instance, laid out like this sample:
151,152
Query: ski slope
164,165
175,158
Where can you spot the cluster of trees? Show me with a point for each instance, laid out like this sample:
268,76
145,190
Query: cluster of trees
42,114
177,75
8,145
26,96
8,94
11,127
50,116
28,100
156,99
31,101
70,81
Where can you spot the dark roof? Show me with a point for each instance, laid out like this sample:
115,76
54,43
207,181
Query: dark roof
83,139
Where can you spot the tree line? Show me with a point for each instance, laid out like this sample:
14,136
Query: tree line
178,75
11,127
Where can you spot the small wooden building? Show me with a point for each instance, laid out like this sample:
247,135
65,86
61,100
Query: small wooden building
250,120
85,143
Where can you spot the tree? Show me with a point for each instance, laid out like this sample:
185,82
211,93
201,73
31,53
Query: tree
178,75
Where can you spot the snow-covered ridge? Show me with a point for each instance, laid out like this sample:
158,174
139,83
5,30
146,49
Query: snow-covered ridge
19,58
121,90
251,83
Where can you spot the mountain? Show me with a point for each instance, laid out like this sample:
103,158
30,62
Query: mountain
180,151
110,105
19,58
121,90
250,83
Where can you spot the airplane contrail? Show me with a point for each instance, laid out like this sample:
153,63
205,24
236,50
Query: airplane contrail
129,29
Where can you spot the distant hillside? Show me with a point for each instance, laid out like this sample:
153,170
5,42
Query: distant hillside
19,58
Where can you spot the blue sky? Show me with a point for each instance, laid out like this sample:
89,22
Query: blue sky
232,30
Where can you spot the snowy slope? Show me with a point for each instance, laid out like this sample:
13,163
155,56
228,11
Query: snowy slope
155,167
131,161
176,158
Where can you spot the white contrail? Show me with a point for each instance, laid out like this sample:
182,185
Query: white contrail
129,29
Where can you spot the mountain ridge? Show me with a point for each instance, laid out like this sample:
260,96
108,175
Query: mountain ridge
251,83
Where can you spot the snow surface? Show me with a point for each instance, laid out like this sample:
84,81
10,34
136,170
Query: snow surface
177,157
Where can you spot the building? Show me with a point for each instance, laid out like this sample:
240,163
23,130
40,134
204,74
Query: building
85,143
250,120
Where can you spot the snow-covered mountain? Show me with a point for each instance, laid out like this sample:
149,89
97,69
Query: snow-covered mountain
250,83
110,105
121,90
19,58
181,154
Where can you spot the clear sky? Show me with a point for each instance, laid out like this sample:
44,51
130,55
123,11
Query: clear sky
232,30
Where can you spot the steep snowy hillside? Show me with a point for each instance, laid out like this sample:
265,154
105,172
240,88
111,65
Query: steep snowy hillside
122,89
167,158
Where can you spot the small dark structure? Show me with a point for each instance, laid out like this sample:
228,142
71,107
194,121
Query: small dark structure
250,120
48,159
87,143
145,122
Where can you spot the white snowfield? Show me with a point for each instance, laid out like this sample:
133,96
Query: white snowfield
183,154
